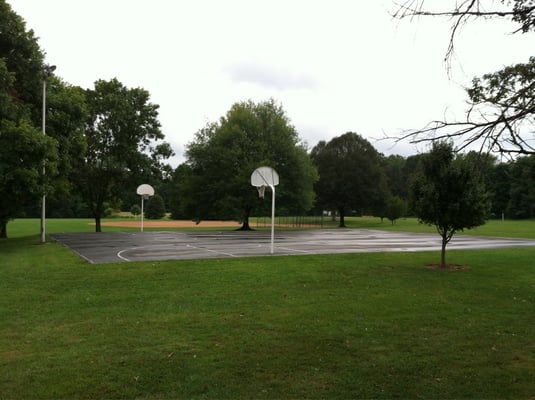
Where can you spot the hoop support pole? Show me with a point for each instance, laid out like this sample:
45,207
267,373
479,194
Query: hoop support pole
272,217
142,201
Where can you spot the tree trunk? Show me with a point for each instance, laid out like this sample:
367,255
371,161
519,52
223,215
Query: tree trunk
245,225
443,252
342,223
98,225
3,229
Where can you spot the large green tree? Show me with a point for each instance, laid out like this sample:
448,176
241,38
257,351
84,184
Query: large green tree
351,175
449,193
121,136
66,116
23,60
224,154
23,148
22,151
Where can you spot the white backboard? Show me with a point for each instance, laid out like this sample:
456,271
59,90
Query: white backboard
264,176
145,190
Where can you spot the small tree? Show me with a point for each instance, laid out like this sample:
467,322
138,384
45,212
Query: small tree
396,207
135,210
449,194
155,207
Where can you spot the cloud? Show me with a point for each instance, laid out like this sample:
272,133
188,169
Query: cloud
270,77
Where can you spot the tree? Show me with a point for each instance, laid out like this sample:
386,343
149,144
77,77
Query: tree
522,188
499,186
224,154
449,194
351,177
501,104
23,147
23,60
500,115
396,177
67,113
121,135
519,11
155,207
181,180
22,151
135,210
396,207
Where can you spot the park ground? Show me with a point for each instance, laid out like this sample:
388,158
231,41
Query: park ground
367,325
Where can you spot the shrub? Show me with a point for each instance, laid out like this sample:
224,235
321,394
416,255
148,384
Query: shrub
155,208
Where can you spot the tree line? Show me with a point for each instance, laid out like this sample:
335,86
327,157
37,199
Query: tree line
102,142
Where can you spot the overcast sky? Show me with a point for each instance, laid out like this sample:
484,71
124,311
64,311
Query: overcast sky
334,66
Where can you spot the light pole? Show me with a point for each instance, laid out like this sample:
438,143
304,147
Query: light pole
47,72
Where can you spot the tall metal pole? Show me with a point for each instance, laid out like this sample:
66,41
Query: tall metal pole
43,201
47,72
272,217
142,200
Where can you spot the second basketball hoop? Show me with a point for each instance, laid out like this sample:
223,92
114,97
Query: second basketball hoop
262,177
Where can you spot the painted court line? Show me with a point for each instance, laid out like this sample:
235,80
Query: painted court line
211,251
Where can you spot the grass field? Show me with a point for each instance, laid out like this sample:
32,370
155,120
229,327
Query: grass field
333,326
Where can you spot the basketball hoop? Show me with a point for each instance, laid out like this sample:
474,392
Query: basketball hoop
261,189
260,178
145,191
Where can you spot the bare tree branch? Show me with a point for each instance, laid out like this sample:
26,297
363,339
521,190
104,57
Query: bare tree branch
501,113
522,12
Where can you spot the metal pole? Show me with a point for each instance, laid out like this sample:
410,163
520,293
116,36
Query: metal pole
47,72
272,217
142,198
43,201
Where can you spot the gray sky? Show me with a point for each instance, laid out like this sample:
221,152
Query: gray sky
335,66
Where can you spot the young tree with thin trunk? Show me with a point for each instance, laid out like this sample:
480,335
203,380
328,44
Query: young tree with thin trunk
449,193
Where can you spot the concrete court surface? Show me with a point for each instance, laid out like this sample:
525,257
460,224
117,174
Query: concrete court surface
106,247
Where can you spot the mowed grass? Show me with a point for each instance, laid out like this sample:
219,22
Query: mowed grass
330,326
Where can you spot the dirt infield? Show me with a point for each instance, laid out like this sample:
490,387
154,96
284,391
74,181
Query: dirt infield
173,224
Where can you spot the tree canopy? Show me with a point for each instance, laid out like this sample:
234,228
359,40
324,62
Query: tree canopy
23,148
23,60
120,136
351,175
22,151
220,161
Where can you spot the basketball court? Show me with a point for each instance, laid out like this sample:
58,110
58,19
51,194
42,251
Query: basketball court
108,247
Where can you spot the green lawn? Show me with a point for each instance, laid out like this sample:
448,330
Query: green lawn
507,228
332,326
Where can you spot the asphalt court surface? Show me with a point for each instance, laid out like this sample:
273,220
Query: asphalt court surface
107,247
